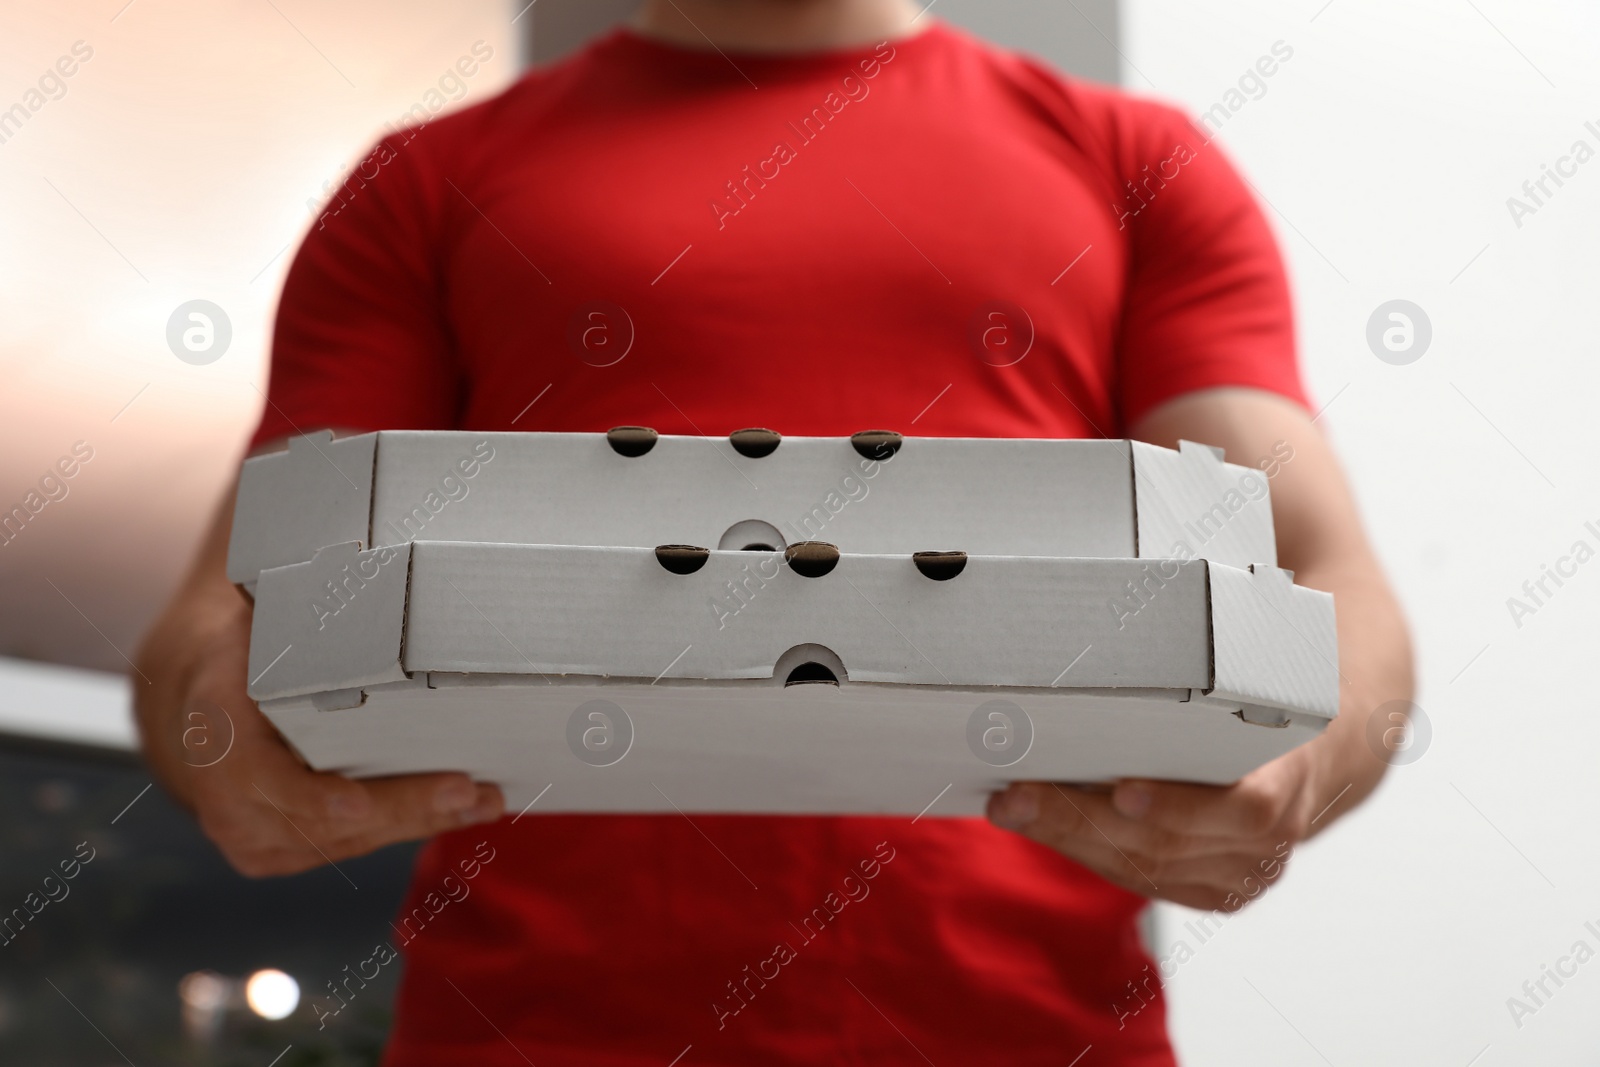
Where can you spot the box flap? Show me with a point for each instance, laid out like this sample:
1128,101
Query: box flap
334,622
1275,642
291,503
1192,505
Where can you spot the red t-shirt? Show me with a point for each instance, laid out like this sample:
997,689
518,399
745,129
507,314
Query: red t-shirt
932,236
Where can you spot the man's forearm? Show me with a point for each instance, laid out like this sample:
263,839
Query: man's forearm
171,654
1375,669
206,610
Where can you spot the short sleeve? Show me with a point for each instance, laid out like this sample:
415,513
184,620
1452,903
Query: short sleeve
1207,301
360,341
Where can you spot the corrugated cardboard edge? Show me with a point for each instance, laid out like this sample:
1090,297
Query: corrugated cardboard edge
1274,644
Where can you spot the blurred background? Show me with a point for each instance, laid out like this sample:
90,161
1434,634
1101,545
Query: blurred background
191,147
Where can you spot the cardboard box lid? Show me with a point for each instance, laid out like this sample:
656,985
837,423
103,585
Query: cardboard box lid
998,497
350,619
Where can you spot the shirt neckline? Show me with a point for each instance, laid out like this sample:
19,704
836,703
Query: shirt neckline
627,41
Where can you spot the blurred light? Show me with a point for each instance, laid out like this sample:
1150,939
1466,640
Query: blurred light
205,996
272,994
55,796
203,991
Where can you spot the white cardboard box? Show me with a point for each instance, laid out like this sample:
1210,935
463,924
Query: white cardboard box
986,611
491,658
1100,499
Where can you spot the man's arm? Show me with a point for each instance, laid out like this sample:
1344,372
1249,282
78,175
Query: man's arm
1198,845
219,756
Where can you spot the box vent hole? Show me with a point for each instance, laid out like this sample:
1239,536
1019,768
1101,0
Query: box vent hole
631,441
940,566
682,559
755,442
876,444
811,673
752,535
809,664
812,559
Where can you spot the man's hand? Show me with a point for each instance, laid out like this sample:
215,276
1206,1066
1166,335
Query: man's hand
1213,847
216,753
1219,847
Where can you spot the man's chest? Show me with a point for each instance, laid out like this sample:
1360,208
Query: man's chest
768,264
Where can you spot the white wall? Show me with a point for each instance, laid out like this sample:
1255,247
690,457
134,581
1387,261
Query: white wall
1388,145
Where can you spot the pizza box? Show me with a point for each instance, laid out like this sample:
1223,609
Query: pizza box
873,493
802,681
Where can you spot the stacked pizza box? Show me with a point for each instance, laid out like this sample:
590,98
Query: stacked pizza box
634,622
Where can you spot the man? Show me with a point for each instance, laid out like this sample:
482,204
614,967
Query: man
819,216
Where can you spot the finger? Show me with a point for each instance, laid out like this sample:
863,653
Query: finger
1090,814
1250,808
1222,883
1096,855
263,839
263,798
267,811
415,806
1209,872
275,862
1050,816
1246,874
1203,898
